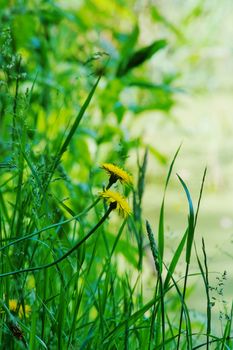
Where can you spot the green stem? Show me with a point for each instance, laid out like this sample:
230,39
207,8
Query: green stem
182,306
206,280
37,268
50,226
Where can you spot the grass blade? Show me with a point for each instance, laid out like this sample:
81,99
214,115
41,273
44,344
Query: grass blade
191,225
161,310
161,216
175,260
72,130
190,235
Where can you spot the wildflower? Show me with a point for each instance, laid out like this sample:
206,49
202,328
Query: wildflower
116,173
13,306
115,198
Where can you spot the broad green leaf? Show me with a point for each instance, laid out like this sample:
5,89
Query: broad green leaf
140,56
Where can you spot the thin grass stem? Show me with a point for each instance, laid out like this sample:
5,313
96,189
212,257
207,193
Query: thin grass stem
55,262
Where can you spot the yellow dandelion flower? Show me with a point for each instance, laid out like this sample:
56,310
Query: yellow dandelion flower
13,306
117,199
116,173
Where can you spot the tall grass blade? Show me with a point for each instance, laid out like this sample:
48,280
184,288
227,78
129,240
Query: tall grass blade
190,236
190,222
61,316
161,216
137,207
161,310
205,276
200,196
32,340
175,260
227,332
79,296
119,329
72,131
78,119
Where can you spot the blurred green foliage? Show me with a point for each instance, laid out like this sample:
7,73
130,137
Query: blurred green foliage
52,53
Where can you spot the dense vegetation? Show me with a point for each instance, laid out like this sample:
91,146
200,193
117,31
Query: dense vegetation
74,242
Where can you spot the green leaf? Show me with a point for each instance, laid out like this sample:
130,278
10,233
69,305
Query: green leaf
166,88
127,49
158,105
78,120
161,216
140,56
191,226
158,155
73,129
175,260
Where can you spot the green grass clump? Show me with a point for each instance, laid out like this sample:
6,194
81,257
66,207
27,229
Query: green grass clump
62,284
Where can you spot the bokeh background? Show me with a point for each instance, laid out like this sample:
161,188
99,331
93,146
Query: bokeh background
201,56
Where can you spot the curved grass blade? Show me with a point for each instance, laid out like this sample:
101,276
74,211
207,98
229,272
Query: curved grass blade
192,221
190,235
78,119
175,260
205,276
161,216
72,130
191,225
161,309
119,330
227,332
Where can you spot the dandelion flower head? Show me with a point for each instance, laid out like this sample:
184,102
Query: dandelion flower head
117,173
13,306
121,203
